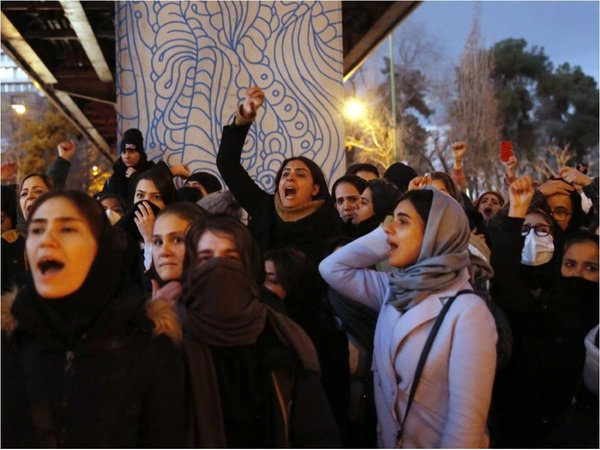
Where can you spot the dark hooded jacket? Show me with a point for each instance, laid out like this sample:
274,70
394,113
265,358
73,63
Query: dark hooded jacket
118,183
91,369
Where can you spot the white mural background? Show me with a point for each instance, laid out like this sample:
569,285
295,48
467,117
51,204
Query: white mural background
183,67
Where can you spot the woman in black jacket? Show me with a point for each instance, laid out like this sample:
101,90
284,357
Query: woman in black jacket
300,213
83,363
550,309
254,374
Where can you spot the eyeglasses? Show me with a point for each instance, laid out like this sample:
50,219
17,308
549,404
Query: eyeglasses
541,230
560,213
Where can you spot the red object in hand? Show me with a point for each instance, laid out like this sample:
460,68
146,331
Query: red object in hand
506,150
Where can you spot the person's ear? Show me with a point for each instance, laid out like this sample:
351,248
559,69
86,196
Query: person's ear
315,190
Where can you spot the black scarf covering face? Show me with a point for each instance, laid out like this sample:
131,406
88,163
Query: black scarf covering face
68,318
219,308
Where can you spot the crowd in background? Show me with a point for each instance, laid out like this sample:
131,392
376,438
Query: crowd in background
390,311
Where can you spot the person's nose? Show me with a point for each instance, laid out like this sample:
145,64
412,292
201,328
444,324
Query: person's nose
387,228
48,238
166,249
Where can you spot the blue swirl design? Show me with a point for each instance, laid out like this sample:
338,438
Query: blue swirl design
183,67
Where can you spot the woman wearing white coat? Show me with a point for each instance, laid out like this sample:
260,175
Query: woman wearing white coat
427,244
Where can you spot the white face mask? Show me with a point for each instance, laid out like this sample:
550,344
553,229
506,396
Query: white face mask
537,250
113,217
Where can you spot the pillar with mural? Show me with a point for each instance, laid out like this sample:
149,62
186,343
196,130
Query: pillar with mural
183,67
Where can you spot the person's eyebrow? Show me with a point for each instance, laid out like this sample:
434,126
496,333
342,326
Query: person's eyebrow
401,214
58,219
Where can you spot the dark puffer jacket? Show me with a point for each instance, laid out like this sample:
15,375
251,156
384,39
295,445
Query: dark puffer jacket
119,385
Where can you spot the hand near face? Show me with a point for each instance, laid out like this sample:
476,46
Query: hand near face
144,219
170,291
130,171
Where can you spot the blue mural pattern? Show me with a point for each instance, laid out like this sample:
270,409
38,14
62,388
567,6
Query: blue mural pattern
184,66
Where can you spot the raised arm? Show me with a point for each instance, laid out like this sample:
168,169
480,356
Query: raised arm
346,270
243,187
507,288
58,170
458,174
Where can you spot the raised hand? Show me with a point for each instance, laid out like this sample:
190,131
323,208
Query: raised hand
552,187
520,193
67,149
180,170
254,100
170,291
458,150
130,171
419,182
574,176
510,166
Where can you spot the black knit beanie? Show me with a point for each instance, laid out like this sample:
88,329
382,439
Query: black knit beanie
132,140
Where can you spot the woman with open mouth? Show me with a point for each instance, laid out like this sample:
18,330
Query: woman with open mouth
300,213
435,396
84,362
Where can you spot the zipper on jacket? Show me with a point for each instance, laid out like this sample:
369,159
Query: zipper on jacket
68,372
69,357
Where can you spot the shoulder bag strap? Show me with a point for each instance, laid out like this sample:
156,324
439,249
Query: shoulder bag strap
424,354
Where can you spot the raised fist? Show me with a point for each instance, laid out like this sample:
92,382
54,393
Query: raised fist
254,100
67,149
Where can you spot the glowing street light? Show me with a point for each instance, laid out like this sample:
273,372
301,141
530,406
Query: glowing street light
354,110
19,108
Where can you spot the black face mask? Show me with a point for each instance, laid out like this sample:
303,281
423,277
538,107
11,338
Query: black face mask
582,296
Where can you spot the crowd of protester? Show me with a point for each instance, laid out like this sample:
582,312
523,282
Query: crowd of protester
389,311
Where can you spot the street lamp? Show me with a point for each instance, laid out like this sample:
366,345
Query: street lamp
19,108
354,110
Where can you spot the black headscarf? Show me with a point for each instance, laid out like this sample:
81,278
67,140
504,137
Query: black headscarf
68,318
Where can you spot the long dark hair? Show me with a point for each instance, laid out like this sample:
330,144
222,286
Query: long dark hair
384,196
190,212
161,179
354,180
246,245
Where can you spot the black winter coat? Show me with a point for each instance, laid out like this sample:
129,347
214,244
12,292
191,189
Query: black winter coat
118,183
548,329
310,234
117,386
